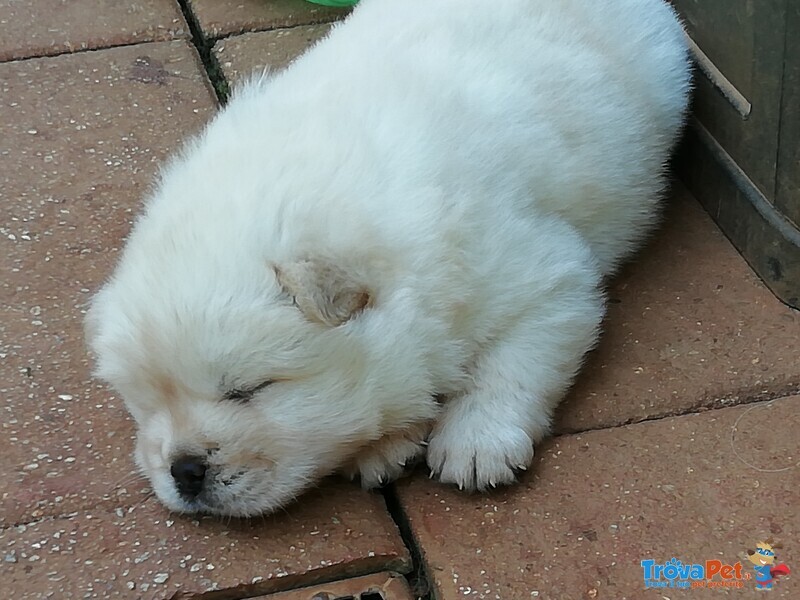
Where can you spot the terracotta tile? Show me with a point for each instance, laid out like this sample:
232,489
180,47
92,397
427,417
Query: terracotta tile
224,17
274,50
145,552
82,138
382,586
55,27
596,504
689,325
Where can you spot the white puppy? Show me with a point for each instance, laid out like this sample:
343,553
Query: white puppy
401,238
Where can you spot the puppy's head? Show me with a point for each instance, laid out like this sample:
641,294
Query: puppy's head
248,381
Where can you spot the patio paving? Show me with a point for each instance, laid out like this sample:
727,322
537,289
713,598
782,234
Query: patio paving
142,551
83,136
678,440
597,504
271,51
220,18
54,27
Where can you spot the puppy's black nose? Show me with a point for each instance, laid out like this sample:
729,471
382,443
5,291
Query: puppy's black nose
189,473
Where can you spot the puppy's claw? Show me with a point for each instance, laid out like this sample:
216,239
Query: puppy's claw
432,475
424,443
522,467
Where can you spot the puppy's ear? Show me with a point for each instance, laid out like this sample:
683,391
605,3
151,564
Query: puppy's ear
324,292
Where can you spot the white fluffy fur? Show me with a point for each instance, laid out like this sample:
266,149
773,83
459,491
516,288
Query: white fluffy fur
421,208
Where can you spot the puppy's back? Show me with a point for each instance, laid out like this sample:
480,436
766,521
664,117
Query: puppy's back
575,103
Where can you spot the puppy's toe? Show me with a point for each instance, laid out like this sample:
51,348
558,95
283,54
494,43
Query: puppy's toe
375,471
479,453
388,458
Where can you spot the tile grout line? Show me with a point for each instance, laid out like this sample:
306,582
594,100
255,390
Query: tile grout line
112,46
705,406
86,510
222,36
204,46
187,15
419,579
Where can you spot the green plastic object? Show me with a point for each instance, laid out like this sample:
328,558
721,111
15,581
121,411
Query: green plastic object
337,3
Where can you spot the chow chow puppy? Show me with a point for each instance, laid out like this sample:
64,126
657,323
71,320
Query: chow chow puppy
394,248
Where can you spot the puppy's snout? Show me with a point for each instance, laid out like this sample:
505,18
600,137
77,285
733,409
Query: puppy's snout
189,473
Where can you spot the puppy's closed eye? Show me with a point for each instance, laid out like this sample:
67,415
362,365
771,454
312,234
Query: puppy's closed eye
244,395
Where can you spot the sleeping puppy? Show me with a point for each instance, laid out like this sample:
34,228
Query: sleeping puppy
393,248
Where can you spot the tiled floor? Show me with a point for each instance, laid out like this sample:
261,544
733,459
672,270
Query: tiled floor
598,503
219,18
45,28
679,440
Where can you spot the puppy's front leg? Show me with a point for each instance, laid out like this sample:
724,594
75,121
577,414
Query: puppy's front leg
488,432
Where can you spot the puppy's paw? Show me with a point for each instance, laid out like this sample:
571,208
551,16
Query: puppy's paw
475,452
388,458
